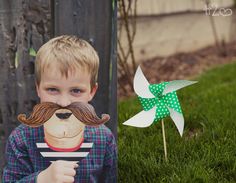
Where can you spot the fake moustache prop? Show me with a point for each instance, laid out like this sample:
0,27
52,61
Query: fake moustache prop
63,129
158,101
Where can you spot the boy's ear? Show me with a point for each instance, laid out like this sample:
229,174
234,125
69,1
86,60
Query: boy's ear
37,88
93,91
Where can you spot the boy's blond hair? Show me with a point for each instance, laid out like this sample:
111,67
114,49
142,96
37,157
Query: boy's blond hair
68,53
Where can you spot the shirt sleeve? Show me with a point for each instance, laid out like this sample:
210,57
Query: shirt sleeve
110,161
19,169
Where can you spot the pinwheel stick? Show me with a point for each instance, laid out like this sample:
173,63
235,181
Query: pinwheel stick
164,139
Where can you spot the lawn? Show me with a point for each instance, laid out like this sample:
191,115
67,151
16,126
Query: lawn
207,150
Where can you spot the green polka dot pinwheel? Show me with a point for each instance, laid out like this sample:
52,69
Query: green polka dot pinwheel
158,101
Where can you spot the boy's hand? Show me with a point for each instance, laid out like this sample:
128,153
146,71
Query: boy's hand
58,172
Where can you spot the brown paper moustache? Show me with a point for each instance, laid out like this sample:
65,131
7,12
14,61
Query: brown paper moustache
42,112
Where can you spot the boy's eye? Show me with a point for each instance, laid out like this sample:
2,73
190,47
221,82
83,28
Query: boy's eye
52,90
76,91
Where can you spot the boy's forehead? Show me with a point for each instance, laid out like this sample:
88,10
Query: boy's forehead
55,72
55,69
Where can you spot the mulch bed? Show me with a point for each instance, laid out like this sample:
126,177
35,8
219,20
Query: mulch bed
181,65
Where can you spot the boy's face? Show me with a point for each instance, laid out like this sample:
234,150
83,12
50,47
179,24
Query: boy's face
63,91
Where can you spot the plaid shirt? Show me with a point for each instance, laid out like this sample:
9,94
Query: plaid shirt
24,161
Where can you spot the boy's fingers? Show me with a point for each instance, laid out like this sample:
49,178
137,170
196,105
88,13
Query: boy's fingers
68,179
69,172
74,161
70,164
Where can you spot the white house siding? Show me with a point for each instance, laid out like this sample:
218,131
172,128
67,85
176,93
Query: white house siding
181,32
157,7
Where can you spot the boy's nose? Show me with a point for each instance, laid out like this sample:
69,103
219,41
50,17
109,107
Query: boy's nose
63,101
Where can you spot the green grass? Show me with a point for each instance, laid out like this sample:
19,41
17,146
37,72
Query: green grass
207,150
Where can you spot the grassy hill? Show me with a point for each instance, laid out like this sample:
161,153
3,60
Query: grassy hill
207,150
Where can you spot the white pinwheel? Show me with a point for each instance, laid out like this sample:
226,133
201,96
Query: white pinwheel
158,101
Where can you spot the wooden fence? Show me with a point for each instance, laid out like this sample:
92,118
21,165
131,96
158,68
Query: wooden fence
26,24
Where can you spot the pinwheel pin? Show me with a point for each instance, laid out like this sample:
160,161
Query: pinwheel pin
158,101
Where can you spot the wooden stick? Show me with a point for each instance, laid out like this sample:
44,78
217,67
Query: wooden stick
164,139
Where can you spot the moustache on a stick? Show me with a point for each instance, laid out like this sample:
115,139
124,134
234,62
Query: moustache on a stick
42,112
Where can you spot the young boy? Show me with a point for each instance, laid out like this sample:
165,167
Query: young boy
66,71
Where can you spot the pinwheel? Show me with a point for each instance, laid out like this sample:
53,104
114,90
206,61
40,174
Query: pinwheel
158,101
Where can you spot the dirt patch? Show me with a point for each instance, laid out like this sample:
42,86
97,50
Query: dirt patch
182,65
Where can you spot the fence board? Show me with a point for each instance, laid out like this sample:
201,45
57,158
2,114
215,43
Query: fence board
23,24
92,21
113,81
